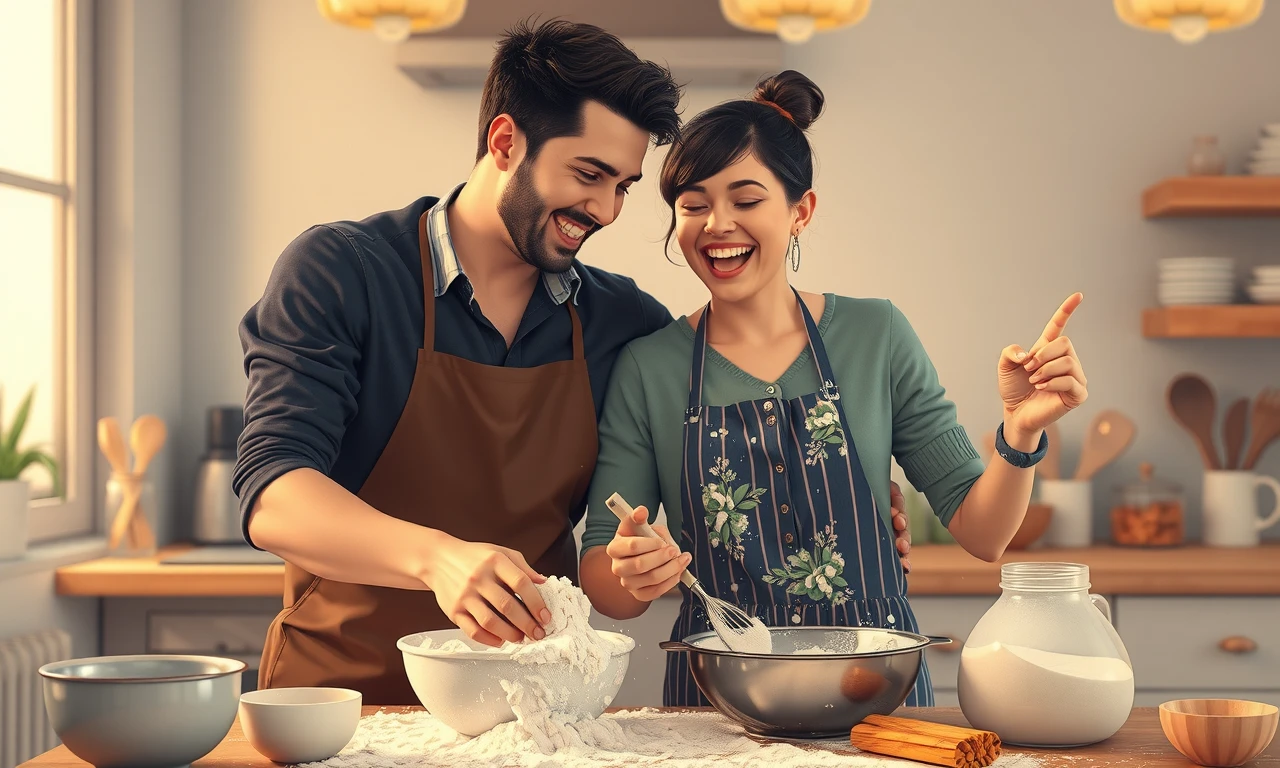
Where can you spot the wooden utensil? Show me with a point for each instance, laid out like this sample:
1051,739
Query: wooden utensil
1233,432
147,437
1265,426
926,742
1218,732
1193,405
1110,434
111,441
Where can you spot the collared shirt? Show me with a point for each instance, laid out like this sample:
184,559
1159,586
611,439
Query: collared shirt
330,348
447,268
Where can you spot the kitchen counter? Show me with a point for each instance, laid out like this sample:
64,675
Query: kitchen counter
1139,742
936,570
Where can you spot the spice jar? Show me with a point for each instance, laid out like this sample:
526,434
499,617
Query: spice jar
1147,513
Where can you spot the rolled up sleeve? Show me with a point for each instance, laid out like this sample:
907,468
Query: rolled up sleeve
301,344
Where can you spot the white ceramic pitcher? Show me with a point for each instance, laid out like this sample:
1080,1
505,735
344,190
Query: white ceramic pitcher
1044,667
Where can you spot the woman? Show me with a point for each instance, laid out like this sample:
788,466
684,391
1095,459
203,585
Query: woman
764,423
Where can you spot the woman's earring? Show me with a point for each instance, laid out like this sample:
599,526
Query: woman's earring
795,253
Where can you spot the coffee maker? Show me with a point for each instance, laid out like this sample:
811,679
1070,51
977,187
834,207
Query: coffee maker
217,510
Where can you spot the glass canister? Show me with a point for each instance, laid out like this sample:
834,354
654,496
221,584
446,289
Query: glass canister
1043,667
130,509
1205,158
1148,513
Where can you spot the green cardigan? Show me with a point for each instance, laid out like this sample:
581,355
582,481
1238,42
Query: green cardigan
890,391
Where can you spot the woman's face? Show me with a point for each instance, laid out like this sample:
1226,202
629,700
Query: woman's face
735,229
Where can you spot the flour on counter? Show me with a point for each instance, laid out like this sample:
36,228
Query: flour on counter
632,738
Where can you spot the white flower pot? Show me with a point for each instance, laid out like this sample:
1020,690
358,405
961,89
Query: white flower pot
15,503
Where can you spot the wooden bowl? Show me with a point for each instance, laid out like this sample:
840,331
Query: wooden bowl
1219,732
1033,526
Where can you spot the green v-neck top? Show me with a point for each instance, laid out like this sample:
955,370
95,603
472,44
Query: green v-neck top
896,407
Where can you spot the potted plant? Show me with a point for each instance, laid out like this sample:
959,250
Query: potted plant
15,494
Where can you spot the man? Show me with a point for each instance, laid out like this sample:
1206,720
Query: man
424,384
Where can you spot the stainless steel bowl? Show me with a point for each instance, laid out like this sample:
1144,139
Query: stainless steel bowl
807,695
143,711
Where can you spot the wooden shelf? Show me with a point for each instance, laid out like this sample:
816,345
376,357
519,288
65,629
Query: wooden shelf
1226,321
1213,196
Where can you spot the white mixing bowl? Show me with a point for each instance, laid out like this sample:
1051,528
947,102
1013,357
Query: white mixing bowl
464,689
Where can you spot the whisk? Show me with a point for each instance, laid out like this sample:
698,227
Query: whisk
740,631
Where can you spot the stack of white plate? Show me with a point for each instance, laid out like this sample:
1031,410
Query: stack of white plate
1265,288
1265,159
1197,280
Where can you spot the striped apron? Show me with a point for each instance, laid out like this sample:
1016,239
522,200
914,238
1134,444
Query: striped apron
780,519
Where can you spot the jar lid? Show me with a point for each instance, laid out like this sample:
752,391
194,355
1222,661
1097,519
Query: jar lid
1149,486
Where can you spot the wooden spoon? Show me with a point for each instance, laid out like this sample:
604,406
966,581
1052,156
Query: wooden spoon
147,438
1266,425
1193,405
1110,433
111,441
1233,432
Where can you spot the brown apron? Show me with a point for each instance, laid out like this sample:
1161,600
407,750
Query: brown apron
483,453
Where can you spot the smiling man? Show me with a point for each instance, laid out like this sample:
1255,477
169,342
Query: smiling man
425,383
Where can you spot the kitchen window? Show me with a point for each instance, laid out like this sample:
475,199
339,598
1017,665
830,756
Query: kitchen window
45,279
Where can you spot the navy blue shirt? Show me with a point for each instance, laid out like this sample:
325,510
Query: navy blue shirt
331,347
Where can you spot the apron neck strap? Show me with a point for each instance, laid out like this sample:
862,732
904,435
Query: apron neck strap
429,296
816,350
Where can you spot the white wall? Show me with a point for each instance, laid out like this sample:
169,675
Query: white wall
976,165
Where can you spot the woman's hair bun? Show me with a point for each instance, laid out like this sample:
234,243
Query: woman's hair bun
793,92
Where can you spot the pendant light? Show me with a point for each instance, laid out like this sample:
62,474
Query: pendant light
394,20
1188,20
794,21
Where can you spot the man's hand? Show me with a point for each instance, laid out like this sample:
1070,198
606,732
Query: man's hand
901,533
489,592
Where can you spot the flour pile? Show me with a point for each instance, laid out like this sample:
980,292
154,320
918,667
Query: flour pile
633,738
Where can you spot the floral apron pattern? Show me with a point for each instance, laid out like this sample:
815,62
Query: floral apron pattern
781,520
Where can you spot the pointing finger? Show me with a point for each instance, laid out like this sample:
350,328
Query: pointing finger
1058,322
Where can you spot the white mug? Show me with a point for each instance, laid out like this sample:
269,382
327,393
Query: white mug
1071,523
1231,512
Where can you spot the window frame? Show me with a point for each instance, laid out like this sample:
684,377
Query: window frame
72,513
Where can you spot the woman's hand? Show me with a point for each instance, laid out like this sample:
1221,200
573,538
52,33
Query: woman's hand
646,567
1040,385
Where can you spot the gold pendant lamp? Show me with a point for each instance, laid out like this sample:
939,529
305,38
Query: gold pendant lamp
1188,20
794,21
394,20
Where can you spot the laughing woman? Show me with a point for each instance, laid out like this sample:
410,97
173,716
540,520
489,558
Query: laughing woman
764,423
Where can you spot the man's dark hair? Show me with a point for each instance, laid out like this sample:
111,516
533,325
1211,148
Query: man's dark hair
541,76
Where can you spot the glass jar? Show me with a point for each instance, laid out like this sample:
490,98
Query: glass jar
1205,158
130,509
1148,513
1043,667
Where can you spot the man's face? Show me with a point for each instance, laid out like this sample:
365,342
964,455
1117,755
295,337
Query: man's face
574,186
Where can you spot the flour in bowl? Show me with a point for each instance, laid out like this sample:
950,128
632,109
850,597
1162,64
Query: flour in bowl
570,636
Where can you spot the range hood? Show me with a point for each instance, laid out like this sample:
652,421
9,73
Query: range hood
690,37
443,62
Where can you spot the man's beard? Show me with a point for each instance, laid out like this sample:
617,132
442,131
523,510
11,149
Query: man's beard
522,211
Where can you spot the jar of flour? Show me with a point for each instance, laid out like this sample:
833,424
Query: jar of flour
1044,667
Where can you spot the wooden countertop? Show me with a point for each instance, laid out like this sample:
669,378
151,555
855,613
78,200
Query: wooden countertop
937,569
1139,742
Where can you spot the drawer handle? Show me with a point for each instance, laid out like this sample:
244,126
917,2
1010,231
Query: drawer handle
951,647
1238,644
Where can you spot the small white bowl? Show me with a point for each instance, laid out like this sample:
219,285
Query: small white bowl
299,725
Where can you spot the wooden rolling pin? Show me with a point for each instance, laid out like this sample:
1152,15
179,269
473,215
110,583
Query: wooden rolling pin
926,742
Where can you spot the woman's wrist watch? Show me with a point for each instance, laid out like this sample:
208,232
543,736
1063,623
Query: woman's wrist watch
1018,458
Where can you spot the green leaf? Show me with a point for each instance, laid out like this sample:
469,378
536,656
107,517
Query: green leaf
28,458
724,532
740,494
10,443
748,505
815,594
835,439
838,581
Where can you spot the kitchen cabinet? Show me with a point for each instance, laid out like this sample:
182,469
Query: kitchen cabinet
1173,608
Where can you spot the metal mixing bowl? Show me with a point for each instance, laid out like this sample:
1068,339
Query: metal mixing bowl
142,711
798,695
